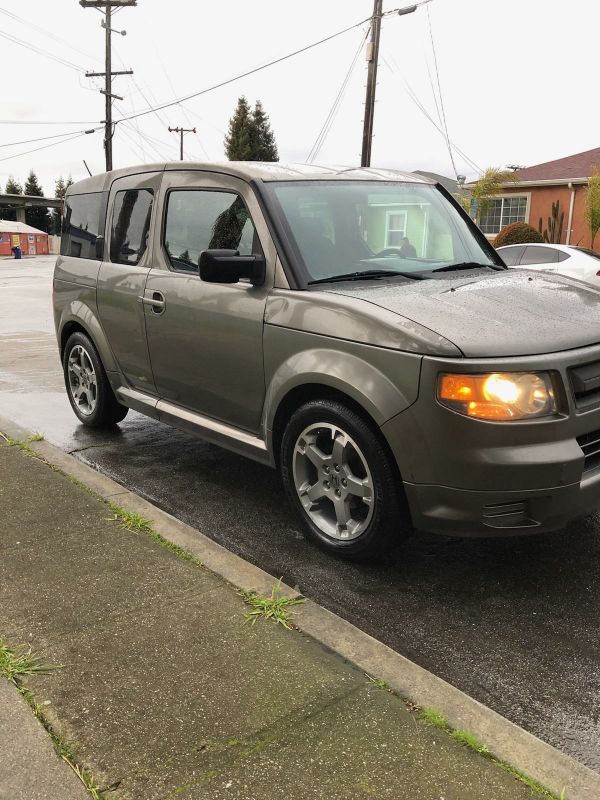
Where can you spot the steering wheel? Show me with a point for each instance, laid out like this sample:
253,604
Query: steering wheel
388,251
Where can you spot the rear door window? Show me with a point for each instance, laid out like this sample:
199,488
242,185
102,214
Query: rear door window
130,227
82,225
539,255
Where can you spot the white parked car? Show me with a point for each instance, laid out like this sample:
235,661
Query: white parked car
576,262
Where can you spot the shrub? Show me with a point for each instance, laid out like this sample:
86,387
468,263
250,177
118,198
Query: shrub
518,233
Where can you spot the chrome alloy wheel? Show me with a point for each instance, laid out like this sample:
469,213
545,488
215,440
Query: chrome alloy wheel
333,481
83,383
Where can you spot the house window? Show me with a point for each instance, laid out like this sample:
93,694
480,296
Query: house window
395,228
502,211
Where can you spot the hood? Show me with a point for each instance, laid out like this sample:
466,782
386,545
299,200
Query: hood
493,314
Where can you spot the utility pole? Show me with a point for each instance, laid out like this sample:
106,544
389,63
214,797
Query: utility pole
181,131
373,61
108,5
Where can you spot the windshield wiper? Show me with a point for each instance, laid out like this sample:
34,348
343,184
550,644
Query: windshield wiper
467,265
368,274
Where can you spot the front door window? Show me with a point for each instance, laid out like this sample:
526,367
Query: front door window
200,220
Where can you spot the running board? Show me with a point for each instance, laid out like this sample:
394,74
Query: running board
212,430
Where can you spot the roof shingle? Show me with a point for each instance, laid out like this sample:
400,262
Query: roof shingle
580,165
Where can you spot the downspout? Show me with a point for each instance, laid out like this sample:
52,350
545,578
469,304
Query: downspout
572,203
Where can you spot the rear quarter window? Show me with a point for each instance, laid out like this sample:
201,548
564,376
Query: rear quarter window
511,255
83,224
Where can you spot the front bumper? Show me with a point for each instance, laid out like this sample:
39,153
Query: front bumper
471,477
463,512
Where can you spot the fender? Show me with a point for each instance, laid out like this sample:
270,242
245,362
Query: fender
383,382
80,307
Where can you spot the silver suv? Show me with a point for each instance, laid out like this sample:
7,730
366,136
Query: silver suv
350,327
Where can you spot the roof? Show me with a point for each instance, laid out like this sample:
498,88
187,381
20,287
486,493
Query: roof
448,183
252,170
580,165
10,226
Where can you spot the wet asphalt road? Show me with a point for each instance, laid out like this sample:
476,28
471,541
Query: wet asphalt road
512,622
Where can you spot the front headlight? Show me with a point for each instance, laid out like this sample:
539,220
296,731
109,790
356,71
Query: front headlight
498,396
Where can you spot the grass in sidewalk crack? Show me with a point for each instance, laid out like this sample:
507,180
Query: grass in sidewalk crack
24,446
274,607
132,521
467,739
18,663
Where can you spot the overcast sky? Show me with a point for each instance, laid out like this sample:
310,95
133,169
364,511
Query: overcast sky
518,80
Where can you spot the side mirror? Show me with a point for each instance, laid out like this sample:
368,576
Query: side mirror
228,266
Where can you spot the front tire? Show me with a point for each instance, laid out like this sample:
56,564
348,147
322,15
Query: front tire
89,391
343,482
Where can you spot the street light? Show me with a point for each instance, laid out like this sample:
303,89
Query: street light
112,30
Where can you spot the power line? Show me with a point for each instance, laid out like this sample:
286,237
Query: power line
44,138
395,69
248,72
48,122
32,48
437,73
31,25
324,132
44,147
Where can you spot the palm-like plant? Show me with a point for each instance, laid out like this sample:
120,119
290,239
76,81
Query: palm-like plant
488,185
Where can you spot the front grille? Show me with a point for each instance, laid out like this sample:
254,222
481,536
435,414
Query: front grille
590,444
585,383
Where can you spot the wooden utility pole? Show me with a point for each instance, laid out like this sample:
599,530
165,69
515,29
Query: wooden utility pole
181,131
108,5
373,60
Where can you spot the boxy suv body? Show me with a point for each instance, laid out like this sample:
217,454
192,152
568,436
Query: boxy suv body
352,328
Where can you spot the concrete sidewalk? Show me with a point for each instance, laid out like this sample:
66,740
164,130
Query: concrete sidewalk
164,690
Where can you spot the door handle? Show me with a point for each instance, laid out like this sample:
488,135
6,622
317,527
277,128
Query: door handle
156,302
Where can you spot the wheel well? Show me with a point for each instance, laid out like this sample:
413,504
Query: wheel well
69,328
314,391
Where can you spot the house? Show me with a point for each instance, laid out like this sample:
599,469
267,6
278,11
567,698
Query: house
31,240
536,188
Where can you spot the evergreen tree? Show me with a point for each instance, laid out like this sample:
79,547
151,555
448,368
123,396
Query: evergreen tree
238,141
37,217
263,138
13,186
59,192
250,137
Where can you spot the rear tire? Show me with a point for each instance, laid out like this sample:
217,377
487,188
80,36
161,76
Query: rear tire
342,480
88,388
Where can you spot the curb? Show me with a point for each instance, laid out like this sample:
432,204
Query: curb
510,743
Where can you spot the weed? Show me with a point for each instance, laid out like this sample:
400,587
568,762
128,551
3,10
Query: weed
468,740
379,683
274,607
437,720
14,664
35,437
135,522
433,717
84,777
24,446
129,519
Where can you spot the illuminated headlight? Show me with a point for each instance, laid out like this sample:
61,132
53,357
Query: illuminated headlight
499,396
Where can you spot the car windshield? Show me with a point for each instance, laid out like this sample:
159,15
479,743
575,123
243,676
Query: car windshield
339,228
